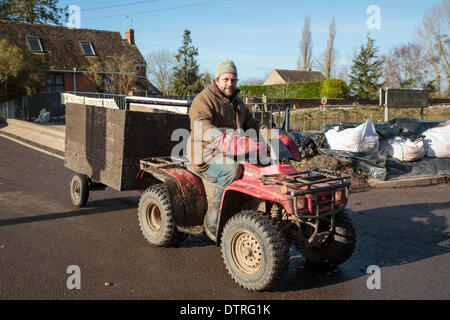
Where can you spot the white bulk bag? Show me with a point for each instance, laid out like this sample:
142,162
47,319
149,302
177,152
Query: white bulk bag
437,141
363,138
41,114
403,149
46,117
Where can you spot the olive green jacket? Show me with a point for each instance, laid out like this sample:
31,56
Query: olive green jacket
212,110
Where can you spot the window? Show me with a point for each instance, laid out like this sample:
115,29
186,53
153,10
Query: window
88,48
55,82
34,43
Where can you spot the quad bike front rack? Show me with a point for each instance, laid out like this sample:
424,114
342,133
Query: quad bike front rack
291,182
303,183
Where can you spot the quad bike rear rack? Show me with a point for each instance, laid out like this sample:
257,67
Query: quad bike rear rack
161,162
154,165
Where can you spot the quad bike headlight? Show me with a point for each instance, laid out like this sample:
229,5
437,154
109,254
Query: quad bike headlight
338,195
301,203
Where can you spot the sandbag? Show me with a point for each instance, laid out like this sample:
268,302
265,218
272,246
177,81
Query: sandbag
362,138
403,149
309,143
407,128
372,163
304,144
44,116
437,141
423,167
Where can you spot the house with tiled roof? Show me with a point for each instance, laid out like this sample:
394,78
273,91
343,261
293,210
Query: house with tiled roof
68,52
279,76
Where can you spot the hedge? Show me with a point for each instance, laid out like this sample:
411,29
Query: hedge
334,89
331,88
298,90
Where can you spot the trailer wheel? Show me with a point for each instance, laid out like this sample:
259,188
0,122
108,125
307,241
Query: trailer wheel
156,218
79,190
254,251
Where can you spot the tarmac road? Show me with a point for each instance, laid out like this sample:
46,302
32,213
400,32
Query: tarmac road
42,234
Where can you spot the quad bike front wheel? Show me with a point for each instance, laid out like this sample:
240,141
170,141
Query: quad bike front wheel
156,218
254,251
338,248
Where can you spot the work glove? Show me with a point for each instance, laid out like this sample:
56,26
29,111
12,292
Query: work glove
235,144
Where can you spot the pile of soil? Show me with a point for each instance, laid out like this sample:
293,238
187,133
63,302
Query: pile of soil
358,178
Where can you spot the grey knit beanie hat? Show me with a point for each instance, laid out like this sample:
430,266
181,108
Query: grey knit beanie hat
226,66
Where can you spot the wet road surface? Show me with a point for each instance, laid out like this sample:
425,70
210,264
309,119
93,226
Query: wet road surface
42,234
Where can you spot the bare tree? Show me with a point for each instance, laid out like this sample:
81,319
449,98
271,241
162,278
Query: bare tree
115,74
252,81
122,73
406,67
160,69
329,54
433,37
304,60
342,72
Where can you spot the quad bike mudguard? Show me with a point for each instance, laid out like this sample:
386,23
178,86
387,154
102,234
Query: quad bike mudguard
188,196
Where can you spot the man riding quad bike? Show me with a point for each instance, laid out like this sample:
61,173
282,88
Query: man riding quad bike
262,213
253,209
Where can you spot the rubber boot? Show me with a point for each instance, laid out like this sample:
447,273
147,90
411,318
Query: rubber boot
212,215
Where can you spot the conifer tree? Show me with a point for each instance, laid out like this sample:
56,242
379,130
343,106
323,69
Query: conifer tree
186,79
32,11
366,72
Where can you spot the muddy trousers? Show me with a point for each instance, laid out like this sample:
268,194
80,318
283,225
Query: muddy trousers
225,170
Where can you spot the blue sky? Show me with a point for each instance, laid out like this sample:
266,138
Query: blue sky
259,35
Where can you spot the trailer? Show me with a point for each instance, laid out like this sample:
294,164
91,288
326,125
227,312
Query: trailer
104,146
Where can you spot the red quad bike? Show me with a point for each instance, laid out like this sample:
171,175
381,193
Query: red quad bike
263,212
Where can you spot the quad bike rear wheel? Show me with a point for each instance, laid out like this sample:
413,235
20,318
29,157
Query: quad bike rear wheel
338,248
254,251
156,218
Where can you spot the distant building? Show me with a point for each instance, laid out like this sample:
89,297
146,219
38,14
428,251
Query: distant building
291,76
67,51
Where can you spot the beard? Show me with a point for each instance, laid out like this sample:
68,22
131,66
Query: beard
228,91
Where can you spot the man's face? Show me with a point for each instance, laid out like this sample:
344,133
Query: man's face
227,84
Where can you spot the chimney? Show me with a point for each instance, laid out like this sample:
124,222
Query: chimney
129,35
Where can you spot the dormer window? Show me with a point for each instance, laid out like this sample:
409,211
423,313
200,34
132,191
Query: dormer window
34,43
88,48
